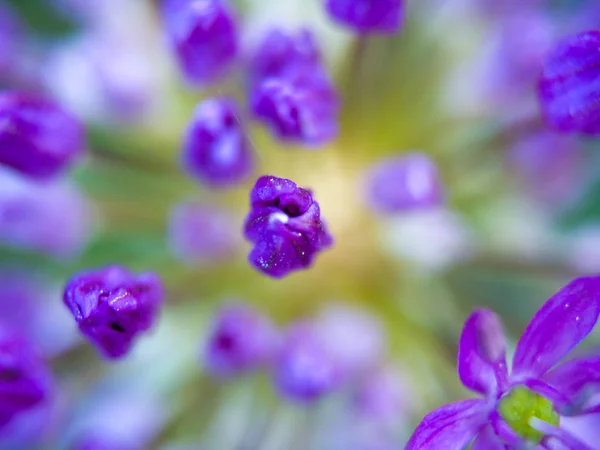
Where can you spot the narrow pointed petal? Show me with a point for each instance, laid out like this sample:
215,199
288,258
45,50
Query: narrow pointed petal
572,377
558,436
562,322
487,440
451,427
482,353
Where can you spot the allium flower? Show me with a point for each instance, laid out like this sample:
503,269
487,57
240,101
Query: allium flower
368,16
279,52
304,369
216,150
301,105
405,183
112,306
37,137
525,405
53,218
25,380
285,226
569,85
204,36
241,340
202,233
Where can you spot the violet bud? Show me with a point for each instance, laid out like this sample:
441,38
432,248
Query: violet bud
299,106
549,165
384,396
112,306
241,340
354,338
38,137
216,151
405,183
25,380
279,51
204,36
285,225
569,85
53,218
202,233
368,16
304,370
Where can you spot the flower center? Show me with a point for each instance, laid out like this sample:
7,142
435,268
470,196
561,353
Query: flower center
520,405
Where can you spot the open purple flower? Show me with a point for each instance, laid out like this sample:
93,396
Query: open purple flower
241,340
204,36
569,85
368,16
300,106
405,183
37,137
279,51
285,226
304,369
25,380
112,306
525,405
216,151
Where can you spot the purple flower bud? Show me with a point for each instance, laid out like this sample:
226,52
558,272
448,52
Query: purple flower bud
23,301
405,183
384,396
112,306
104,76
241,340
202,233
25,380
351,336
549,164
364,16
203,34
304,370
53,218
216,151
569,86
279,51
285,226
300,105
37,137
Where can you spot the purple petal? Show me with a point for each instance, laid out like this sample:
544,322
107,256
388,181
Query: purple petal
562,322
481,353
488,440
573,376
568,88
558,435
450,427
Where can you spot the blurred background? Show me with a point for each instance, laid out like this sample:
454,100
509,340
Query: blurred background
521,217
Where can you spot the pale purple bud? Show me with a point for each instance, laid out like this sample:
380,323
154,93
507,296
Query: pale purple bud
241,340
